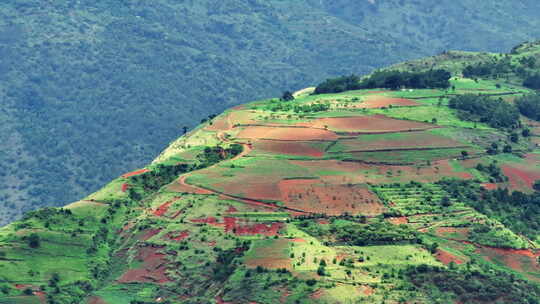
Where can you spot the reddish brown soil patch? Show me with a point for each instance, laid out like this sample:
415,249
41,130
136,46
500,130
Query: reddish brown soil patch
96,300
161,210
134,173
125,187
178,236
520,178
408,140
231,209
181,186
377,101
219,124
298,240
270,257
524,260
152,270
370,124
453,232
208,220
368,290
219,300
313,196
323,222
287,134
317,294
147,234
268,230
446,257
398,220
489,186
288,148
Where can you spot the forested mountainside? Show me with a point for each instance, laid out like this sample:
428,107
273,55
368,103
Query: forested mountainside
408,185
89,89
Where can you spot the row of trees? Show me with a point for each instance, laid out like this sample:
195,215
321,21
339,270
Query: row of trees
387,79
495,112
529,106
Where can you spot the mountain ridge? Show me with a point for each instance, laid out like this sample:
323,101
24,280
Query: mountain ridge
364,195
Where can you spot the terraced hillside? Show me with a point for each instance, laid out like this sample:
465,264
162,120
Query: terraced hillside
363,196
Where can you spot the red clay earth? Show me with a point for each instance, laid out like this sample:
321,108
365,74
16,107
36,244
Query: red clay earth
398,220
231,209
458,233
520,178
268,230
96,300
370,124
161,210
446,257
181,187
377,101
489,186
271,257
152,270
147,234
524,260
314,196
125,187
134,173
178,236
368,290
287,134
288,148
409,140
219,124
317,294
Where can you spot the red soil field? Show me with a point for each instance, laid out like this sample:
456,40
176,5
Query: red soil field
287,134
219,124
125,187
271,257
312,195
161,210
178,236
446,257
231,209
96,300
453,232
208,220
254,229
152,270
370,124
398,220
289,148
134,173
378,101
368,290
147,234
317,294
219,300
524,260
489,186
520,178
410,140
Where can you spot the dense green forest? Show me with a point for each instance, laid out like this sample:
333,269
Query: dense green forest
90,89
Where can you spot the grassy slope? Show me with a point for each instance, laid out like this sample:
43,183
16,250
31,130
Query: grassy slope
137,245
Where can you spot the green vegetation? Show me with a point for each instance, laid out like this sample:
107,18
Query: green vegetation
529,106
495,112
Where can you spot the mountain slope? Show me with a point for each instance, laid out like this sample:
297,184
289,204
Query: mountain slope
361,196
90,90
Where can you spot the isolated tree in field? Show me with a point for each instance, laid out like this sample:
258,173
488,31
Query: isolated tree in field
514,137
507,149
536,185
464,154
184,129
287,96
34,241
